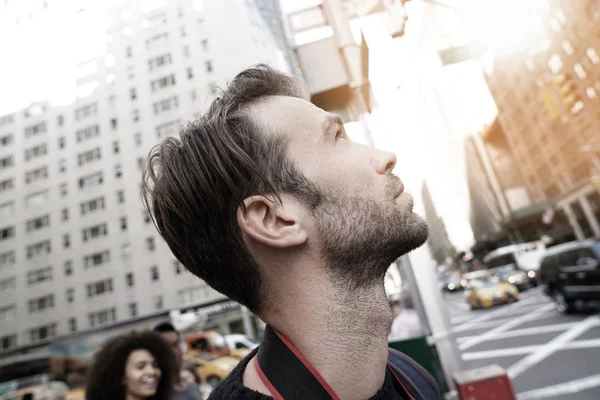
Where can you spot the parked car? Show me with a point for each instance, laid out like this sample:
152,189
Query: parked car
511,275
485,293
523,256
570,272
450,284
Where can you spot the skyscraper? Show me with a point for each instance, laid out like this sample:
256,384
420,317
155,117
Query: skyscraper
547,100
77,250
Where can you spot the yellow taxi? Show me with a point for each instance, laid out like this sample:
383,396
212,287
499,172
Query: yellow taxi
488,292
212,370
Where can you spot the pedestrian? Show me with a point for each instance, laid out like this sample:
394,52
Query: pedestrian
189,373
266,199
406,322
182,390
54,390
133,366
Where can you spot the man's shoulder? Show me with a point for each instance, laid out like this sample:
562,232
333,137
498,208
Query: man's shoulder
412,374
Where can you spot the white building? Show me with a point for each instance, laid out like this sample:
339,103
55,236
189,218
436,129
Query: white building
77,250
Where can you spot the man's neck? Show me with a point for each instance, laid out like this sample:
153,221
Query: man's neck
343,335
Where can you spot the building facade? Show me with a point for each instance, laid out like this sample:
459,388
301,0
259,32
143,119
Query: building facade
548,104
77,250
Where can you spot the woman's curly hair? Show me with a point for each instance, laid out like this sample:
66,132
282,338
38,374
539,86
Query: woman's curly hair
106,374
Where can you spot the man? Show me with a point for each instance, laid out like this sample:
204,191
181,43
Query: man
182,389
266,199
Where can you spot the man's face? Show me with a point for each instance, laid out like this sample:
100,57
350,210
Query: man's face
175,342
365,220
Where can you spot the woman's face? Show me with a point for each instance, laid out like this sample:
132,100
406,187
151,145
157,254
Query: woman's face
141,374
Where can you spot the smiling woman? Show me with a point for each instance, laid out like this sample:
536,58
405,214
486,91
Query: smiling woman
133,366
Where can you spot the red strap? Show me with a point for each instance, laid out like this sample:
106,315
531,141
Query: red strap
400,382
266,381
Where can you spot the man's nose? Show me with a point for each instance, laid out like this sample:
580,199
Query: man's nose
384,162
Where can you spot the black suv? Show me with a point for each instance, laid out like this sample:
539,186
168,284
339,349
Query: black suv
570,272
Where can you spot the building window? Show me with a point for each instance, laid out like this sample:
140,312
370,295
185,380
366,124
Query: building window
579,71
90,181
113,123
7,209
209,66
64,190
7,314
190,72
66,241
86,111
94,232
137,139
65,214
92,205
72,325
116,147
129,279
7,233
62,165
178,267
150,244
555,64
6,162
68,266
36,175
36,199
96,259
592,55
8,285
165,105
193,94
89,156
166,130
186,51
60,120
39,276
140,163
158,302
41,303
6,140
566,45
159,61
204,44
61,142
38,223
591,93
38,249
132,94
70,295
87,133
7,259
97,288
182,31
6,185
42,333
8,342
136,115
7,119
36,151
126,251
147,218
157,41
123,222
128,52
118,171
154,275
163,82
132,310
36,129
120,197
104,317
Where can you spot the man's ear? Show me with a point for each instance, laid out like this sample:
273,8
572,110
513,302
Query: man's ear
270,223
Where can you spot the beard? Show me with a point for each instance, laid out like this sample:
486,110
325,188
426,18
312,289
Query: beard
361,237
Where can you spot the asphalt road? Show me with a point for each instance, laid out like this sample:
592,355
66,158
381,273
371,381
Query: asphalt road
547,355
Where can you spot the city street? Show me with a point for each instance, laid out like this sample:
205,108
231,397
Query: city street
547,355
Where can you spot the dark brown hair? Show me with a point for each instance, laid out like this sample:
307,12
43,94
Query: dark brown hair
194,185
106,374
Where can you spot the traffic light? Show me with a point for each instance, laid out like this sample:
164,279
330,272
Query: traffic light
566,90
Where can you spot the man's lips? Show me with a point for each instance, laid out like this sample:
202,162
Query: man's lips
399,191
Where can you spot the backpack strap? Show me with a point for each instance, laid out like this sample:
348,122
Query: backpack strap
417,381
